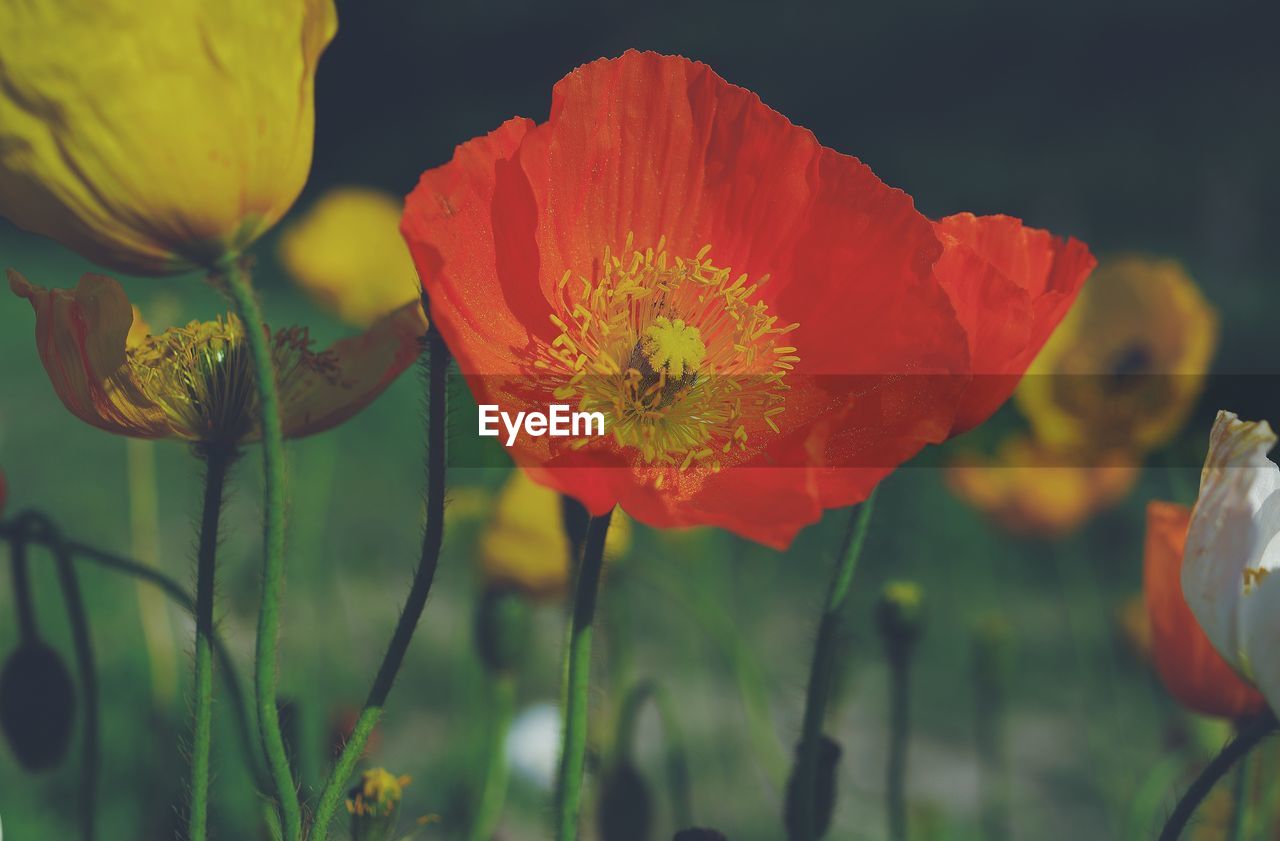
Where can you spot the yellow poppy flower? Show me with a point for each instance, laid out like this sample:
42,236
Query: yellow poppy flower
1031,489
347,253
196,383
1127,363
155,137
525,545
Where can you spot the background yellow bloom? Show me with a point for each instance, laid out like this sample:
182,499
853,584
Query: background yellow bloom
153,137
347,253
525,545
1030,489
1127,363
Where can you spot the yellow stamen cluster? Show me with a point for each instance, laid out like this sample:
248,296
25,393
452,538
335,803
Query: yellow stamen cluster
1253,578
202,378
377,795
675,351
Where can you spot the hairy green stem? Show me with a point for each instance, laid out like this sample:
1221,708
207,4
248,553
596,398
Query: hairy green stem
175,591
217,464
437,365
822,674
1246,740
493,791
573,754
266,651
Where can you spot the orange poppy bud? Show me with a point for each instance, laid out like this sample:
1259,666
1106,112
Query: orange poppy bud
1188,664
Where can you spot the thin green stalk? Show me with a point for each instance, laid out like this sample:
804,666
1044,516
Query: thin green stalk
822,675
437,366
493,793
144,531
752,690
266,652
899,728
1246,739
86,666
217,464
573,754
175,591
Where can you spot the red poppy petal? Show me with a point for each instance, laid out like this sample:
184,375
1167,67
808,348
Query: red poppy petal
461,238
1011,285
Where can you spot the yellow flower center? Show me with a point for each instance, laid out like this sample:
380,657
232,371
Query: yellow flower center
202,378
674,346
683,362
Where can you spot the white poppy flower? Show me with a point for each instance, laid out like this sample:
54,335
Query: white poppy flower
1232,549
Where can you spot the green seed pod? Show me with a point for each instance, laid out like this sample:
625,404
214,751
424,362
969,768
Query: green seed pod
626,808
503,628
699,833
824,802
37,706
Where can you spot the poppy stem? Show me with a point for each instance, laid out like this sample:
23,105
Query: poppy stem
266,652
437,368
899,732
217,465
1240,798
27,630
822,676
1246,740
175,591
493,792
573,753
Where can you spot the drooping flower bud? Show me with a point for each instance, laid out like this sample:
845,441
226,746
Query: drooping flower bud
37,705
626,807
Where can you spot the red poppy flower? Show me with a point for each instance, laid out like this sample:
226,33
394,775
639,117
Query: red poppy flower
1190,667
767,327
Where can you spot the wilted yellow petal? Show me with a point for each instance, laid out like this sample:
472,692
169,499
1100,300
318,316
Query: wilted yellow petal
1126,365
349,374
156,136
82,335
347,253
196,382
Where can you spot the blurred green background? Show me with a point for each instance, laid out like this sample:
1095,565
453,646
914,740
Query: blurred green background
1149,127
